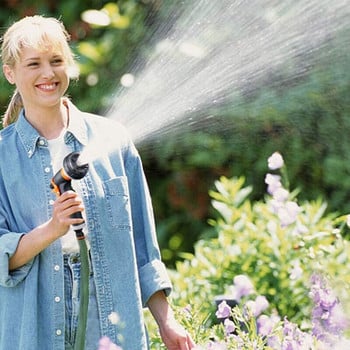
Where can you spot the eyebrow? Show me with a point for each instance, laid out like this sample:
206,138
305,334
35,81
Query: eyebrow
34,58
31,59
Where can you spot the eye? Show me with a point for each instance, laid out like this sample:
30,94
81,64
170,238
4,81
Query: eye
57,61
33,64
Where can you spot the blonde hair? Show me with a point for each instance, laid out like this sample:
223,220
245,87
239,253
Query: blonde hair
36,32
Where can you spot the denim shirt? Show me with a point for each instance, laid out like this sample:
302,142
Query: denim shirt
124,250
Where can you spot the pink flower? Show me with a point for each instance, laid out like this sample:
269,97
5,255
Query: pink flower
106,344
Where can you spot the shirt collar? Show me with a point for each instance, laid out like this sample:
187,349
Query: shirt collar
27,133
76,129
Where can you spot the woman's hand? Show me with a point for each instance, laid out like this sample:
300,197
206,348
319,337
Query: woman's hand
42,236
65,205
174,336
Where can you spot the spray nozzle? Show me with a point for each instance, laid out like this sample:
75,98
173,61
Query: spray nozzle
62,182
73,168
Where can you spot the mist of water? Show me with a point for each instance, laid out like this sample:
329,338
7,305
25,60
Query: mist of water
206,53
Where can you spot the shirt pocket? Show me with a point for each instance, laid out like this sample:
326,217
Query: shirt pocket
117,201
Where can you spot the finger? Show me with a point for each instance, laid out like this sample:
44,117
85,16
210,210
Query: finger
184,346
67,195
68,202
190,341
72,210
63,211
187,343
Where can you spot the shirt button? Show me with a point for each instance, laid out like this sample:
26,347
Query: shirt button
58,332
41,142
51,201
57,299
56,267
47,169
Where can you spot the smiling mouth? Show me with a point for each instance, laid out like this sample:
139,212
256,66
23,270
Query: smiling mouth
47,87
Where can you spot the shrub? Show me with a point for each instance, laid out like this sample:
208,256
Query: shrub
277,243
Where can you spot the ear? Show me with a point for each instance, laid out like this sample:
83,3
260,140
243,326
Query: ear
9,74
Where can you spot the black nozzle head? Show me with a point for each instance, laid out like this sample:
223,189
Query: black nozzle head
73,168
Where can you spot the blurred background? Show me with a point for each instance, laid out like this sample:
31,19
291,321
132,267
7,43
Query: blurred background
300,108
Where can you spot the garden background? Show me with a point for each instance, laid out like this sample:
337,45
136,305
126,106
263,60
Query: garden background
306,119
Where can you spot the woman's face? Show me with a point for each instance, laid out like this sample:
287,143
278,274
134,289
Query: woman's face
40,76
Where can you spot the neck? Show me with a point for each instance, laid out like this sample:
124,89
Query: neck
49,122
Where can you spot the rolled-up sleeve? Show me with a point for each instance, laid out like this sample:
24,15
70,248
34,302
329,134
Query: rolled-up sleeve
8,246
154,277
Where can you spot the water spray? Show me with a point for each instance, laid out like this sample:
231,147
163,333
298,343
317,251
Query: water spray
212,56
209,55
62,182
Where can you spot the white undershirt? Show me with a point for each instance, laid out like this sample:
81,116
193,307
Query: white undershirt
58,150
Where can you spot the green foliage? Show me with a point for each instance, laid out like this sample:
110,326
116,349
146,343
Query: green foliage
251,241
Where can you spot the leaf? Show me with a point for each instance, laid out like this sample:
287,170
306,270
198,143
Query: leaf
90,50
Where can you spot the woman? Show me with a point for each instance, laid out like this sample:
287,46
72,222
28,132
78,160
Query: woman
39,255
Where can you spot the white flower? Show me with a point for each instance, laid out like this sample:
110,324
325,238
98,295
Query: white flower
288,213
296,272
113,317
348,220
281,194
276,206
275,161
301,229
273,183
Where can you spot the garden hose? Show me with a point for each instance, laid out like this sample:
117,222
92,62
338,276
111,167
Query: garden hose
61,183
84,295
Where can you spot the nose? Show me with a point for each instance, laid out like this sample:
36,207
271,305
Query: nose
48,72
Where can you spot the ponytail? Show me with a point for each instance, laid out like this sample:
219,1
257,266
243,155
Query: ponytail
13,109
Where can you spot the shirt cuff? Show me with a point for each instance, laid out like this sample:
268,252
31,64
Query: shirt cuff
154,277
8,246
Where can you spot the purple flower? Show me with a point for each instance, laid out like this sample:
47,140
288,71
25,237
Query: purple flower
266,324
294,338
258,306
229,326
261,304
328,317
275,161
242,286
224,310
